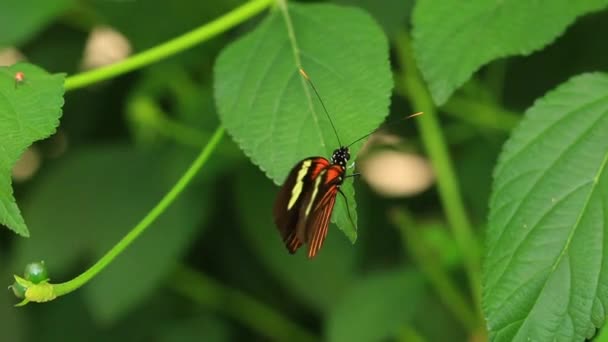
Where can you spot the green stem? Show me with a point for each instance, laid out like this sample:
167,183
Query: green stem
165,202
495,78
429,265
447,184
171,47
245,309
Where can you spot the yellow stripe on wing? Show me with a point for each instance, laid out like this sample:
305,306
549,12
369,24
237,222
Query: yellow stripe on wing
299,185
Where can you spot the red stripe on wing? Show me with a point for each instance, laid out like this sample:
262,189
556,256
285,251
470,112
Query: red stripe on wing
319,222
318,164
334,172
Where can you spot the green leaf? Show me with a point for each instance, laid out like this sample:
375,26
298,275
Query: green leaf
29,111
376,307
546,268
269,109
453,39
21,19
602,335
300,275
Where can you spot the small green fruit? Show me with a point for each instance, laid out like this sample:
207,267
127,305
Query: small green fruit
36,272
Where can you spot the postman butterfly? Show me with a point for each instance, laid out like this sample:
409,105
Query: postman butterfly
304,204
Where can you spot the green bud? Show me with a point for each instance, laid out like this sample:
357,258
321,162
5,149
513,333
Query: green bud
36,272
18,289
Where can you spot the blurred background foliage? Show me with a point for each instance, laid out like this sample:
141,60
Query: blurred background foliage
213,267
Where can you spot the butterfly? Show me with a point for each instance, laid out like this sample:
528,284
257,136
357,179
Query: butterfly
304,204
306,200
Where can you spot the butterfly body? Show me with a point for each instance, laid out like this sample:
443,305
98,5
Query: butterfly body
304,205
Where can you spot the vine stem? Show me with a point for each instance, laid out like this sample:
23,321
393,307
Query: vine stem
430,266
165,202
250,312
447,184
171,47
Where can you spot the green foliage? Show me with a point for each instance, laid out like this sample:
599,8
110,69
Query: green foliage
212,265
107,189
270,110
29,111
202,328
375,309
390,14
143,29
453,39
25,18
547,222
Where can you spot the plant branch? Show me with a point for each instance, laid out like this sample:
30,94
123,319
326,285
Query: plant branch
447,184
250,312
172,47
165,202
443,284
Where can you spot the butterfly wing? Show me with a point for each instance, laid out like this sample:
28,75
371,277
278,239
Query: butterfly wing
293,198
318,223
305,203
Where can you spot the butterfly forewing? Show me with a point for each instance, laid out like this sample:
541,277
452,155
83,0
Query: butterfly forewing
305,202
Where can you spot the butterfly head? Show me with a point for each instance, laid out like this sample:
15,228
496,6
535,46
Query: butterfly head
340,156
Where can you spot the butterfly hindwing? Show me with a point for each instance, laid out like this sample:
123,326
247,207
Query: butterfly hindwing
318,223
305,202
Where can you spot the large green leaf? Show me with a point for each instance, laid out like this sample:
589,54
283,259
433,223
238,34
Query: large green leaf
376,308
29,111
86,203
545,273
270,110
20,19
453,39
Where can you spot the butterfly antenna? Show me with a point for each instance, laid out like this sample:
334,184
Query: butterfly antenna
312,85
347,209
387,124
